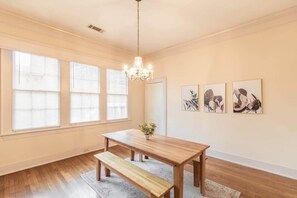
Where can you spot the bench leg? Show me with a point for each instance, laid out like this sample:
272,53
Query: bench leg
132,154
98,170
146,157
167,195
196,172
106,145
140,157
107,172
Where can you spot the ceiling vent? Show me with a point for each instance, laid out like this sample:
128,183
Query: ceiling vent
96,28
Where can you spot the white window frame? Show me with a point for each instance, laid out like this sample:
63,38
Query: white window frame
31,92
114,94
81,93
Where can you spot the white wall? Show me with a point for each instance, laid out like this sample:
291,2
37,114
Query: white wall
30,149
266,141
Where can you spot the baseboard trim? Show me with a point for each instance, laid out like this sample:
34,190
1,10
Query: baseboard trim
275,169
15,167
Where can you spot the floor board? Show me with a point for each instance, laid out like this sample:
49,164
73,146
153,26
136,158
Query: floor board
62,179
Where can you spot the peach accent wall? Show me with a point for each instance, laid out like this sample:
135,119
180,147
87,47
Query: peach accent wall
30,149
269,54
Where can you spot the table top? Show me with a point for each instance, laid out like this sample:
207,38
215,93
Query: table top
167,149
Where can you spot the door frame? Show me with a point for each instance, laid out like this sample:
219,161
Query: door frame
162,80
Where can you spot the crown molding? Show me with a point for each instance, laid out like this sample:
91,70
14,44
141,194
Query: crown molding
259,24
9,42
93,41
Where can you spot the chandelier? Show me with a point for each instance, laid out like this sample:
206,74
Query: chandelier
138,72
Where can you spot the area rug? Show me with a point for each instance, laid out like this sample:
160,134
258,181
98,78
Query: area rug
116,187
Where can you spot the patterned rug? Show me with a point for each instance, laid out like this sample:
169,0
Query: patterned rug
116,187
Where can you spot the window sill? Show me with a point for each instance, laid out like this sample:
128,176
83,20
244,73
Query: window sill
54,130
118,120
87,123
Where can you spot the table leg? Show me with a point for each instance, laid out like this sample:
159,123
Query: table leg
196,173
140,157
202,175
167,195
178,181
106,144
132,155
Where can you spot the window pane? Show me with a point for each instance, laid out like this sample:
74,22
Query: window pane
35,109
38,119
32,72
22,100
95,101
85,100
84,78
75,101
52,66
52,100
22,119
37,65
117,95
75,115
36,87
85,115
117,82
84,107
52,117
94,114
38,100
117,107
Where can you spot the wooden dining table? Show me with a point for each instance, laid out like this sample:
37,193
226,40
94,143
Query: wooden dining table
171,151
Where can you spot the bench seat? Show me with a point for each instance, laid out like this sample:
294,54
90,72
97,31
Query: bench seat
150,184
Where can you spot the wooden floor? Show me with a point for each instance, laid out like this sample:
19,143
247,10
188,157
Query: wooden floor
62,179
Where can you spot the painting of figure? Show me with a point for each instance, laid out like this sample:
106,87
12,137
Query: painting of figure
247,96
190,98
214,98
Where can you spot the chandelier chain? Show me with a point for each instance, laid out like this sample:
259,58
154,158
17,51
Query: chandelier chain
138,72
137,28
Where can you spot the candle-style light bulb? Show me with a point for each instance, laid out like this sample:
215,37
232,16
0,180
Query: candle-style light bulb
150,67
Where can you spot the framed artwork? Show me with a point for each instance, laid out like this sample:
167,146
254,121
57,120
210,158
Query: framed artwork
214,98
189,98
247,96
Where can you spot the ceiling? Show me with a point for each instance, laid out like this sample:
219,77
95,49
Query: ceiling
163,23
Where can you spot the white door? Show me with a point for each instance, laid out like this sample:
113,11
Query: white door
155,104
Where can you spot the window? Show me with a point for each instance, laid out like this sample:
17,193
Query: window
117,95
85,92
36,91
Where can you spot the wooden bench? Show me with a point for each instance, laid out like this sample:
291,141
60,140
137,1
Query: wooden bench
150,184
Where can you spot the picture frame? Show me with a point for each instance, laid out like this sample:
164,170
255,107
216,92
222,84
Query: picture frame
247,97
190,98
